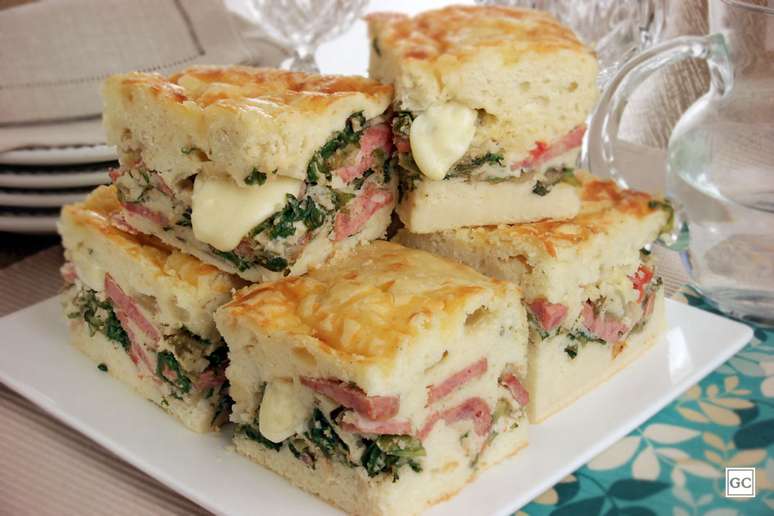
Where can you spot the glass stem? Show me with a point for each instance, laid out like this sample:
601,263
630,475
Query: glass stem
302,61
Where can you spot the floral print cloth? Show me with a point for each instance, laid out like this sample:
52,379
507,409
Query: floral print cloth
674,464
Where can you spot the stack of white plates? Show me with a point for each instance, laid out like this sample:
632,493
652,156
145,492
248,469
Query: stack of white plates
35,183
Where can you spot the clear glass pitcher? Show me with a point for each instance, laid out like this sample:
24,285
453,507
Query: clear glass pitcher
720,170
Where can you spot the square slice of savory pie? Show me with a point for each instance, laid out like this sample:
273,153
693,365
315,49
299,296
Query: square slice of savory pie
382,382
593,299
490,109
144,311
260,172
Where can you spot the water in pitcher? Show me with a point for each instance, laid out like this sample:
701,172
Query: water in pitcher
720,161
721,154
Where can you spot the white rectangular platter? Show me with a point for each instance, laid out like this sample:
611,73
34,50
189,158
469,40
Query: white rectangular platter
38,363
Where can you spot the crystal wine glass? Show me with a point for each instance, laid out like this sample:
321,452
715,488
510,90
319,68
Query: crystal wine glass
615,29
302,25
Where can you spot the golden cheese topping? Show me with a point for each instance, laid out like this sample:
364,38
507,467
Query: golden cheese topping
102,205
365,306
253,89
231,120
461,32
605,209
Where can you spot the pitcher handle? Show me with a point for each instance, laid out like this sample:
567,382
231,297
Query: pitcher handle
603,127
598,143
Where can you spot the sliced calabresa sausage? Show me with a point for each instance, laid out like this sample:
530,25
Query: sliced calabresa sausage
352,219
144,211
605,327
378,408
128,307
519,393
549,315
640,280
544,152
475,409
455,381
375,137
354,422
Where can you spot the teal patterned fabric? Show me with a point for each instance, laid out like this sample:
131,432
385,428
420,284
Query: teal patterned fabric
674,464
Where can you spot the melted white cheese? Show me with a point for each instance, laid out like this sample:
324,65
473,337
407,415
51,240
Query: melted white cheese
440,136
284,410
222,212
89,271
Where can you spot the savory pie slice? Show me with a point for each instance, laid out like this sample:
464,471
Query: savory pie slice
144,312
490,105
593,299
260,172
382,382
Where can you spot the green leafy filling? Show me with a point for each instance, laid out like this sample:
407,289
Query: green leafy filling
502,408
411,173
401,123
357,183
318,166
579,338
99,317
384,454
651,289
466,167
267,261
144,182
380,161
583,337
566,176
256,177
185,219
388,168
185,341
301,450
554,176
665,205
388,453
237,261
252,433
282,223
497,180
219,357
340,198
166,363
322,434
541,189
223,409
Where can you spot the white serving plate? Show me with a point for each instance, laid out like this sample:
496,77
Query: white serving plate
67,155
39,364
